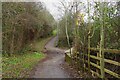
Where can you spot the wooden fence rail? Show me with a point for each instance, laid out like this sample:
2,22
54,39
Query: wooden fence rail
98,59
107,50
112,51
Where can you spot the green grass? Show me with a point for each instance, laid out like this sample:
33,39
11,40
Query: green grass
18,66
54,32
39,45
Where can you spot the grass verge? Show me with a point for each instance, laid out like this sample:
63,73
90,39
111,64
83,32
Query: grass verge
39,44
19,66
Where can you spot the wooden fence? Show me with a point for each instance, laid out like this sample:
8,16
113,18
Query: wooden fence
99,70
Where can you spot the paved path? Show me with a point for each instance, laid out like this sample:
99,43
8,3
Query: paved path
51,67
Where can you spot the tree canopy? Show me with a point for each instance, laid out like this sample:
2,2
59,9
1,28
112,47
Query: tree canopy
24,22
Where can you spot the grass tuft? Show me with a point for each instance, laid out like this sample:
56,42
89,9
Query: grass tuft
13,67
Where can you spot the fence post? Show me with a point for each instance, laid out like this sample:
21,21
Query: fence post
97,57
102,42
102,53
89,53
88,35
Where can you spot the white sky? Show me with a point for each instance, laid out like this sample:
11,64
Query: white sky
51,5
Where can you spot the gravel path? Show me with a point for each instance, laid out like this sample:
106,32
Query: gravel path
51,67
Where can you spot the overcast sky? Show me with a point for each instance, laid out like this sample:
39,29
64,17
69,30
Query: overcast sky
51,5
